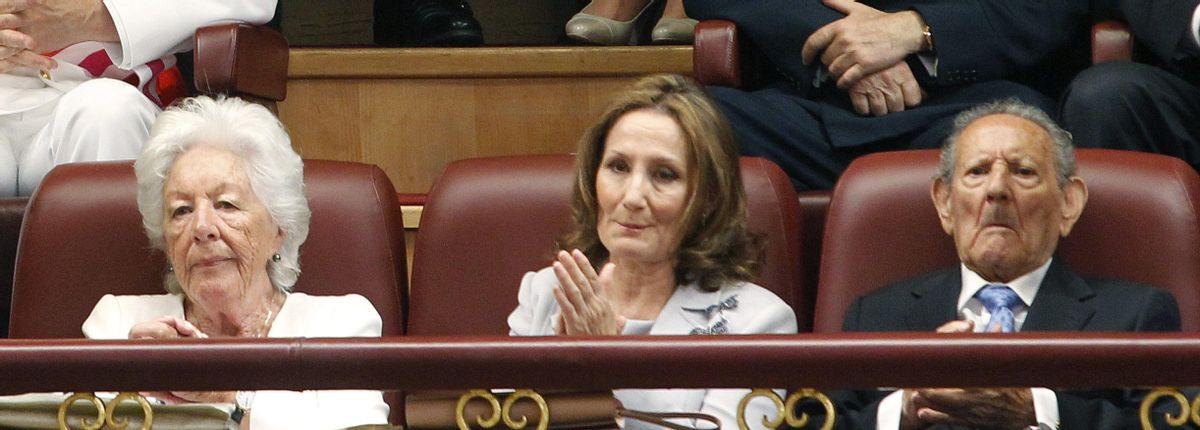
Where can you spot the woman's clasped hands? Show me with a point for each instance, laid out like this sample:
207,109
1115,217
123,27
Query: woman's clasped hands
169,327
583,297
165,327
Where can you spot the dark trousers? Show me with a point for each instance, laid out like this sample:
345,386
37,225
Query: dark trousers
814,139
1133,106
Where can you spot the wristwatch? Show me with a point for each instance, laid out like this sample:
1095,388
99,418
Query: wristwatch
242,402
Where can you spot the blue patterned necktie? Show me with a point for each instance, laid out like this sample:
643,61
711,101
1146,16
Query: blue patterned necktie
999,301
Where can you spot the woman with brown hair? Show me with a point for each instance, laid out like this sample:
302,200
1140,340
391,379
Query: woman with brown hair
659,243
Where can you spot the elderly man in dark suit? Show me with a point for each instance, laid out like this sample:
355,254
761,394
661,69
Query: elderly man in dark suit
1151,106
1006,191
848,78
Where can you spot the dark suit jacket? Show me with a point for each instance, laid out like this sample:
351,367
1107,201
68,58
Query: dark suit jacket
1065,302
1162,28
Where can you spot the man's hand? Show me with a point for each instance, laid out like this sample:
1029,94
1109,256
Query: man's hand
15,45
863,42
56,24
982,408
889,90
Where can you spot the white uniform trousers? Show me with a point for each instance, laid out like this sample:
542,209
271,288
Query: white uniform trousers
98,120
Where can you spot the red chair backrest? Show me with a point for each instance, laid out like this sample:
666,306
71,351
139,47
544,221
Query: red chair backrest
1140,224
487,221
82,238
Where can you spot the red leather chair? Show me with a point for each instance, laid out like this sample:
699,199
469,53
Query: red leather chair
82,238
487,221
1141,223
241,60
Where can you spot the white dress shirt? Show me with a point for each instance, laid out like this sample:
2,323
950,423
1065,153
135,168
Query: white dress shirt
1045,402
1195,28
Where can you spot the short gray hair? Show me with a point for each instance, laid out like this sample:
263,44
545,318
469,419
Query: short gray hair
254,134
1064,151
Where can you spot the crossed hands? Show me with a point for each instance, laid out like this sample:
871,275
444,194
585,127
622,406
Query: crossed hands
865,52
169,327
582,296
982,408
17,49
30,27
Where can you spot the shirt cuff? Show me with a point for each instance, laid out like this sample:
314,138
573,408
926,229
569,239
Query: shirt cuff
1195,28
1045,408
118,56
887,417
930,61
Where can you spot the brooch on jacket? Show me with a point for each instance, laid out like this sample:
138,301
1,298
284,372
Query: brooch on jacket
720,325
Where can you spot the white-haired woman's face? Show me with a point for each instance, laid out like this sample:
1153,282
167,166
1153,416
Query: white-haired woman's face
219,235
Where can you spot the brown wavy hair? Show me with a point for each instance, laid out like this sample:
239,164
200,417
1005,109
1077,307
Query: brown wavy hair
716,246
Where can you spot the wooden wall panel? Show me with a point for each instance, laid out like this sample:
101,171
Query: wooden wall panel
412,121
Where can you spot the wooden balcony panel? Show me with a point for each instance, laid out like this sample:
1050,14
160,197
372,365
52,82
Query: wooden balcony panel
411,111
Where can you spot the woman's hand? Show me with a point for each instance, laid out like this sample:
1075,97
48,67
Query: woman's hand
166,327
582,297
181,397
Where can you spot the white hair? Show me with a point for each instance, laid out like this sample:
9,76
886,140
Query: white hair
252,133
1060,147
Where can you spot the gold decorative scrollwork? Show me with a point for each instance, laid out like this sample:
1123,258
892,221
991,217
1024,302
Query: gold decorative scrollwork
1187,410
121,423
105,415
506,410
460,409
786,410
87,424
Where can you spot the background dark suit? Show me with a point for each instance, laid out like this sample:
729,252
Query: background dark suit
1152,105
986,49
1064,302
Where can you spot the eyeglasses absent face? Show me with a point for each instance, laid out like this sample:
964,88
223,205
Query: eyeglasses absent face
1004,204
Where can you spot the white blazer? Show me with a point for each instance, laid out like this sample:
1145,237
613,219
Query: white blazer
739,308
302,315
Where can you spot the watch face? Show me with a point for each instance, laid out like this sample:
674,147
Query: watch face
244,399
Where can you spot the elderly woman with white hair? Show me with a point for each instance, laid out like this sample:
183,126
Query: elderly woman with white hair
221,192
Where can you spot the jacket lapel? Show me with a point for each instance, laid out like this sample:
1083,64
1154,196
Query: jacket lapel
1062,302
935,303
684,311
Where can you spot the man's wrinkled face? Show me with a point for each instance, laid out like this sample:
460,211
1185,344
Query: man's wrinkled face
1004,205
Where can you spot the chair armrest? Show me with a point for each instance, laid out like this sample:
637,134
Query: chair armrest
1111,41
716,56
241,60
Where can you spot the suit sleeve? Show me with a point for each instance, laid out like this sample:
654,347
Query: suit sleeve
362,318
982,40
537,309
105,320
150,30
1158,311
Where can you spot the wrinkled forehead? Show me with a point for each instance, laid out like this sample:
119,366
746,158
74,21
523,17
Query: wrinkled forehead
205,167
1004,137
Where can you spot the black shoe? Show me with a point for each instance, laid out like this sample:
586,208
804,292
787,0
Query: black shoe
437,23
